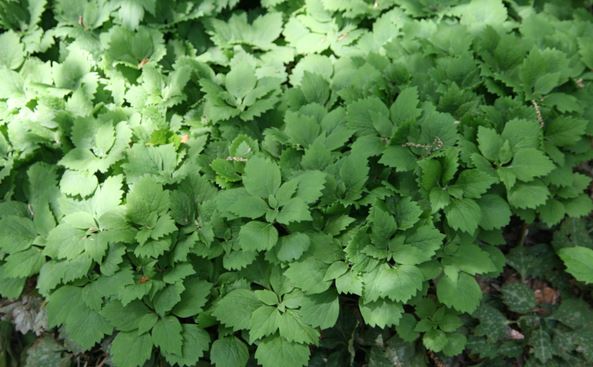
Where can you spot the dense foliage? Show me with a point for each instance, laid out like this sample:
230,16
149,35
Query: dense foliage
293,182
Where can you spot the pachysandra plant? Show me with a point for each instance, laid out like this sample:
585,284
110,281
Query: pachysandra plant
204,183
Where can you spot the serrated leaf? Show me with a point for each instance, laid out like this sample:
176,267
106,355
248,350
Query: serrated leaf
518,297
530,163
579,262
257,236
463,215
242,299
261,177
229,352
130,349
276,351
398,284
166,334
381,313
462,294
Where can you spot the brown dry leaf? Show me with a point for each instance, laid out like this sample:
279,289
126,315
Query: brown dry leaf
515,334
546,295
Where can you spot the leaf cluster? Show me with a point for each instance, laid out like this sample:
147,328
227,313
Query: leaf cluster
192,180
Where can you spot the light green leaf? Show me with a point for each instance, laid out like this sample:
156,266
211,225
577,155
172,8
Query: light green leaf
381,313
257,236
276,351
240,80
579,262
320,310
239,299
463,215
130,349
229,352
462,294
495,212
530,163
13,54
398,283
261,177
166,334
518,297
528,195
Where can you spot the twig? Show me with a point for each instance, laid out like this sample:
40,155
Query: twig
538,113
436,360
523,235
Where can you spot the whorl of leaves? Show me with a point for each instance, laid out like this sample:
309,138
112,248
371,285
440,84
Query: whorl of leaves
208,183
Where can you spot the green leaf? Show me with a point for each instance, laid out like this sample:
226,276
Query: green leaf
261,177
13,53
518,297
528,195
130,349
463,215
82,325
157,162
381,313
23,264
166,334
383,224
229,352
193,298
320,310
308,274
354,174
462,294
16,233
579,262
489,143
264,321
225,310
195,343
398,283
481,13
552,212
295,210
46,351
310,186
369,116
78,183
435,340
522,134
542,345
293,246
276,351
474,183
302,129
146,202
565,131
405,108
167,298
419,246
530,163
470,259
455,344
292,328
400,158
240,80
580,206
495,212
542,71
240,203
125,318
257,236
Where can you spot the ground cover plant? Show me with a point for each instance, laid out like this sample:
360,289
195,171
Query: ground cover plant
296,182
